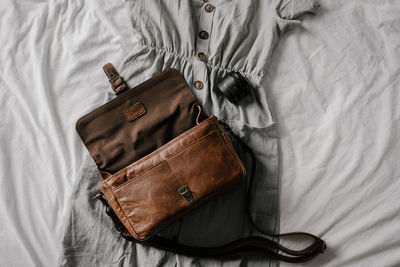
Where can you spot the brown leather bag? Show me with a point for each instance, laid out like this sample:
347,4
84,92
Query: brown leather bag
159,188
158,161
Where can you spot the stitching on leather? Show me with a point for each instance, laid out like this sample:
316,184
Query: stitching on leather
123,211
190,131
135,178
234,155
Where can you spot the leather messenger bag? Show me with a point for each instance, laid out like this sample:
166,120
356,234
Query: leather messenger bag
159,157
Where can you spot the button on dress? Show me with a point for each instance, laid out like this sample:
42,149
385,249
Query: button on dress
204,40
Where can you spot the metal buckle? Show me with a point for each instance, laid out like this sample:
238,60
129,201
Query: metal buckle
112,76
101,197
186,193
98,195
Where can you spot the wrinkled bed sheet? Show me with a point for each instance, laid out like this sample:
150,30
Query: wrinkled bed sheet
333,85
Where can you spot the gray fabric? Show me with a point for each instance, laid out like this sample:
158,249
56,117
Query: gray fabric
242,35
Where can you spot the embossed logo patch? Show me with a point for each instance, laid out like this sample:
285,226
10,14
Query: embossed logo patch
135,111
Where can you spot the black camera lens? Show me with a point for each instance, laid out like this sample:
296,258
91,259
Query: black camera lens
234,87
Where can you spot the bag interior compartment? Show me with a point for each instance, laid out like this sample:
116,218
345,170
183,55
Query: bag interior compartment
138,121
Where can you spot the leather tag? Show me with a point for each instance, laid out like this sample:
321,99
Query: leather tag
135,111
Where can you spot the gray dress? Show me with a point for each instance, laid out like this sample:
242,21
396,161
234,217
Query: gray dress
204,40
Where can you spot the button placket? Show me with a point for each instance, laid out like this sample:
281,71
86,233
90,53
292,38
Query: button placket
203,37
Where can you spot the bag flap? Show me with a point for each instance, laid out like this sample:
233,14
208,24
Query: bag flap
138,121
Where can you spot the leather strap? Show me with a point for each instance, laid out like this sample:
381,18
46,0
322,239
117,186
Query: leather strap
117,83
317,247
248,246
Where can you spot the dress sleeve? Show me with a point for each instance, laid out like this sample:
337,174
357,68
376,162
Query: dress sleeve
287,12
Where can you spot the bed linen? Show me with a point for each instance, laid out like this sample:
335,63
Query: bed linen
332,83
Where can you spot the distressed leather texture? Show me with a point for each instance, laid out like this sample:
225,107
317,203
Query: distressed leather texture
138,121
146,195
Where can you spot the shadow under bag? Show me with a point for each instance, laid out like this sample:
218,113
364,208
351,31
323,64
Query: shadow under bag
160,157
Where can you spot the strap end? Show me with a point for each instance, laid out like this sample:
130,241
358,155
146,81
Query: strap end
116,81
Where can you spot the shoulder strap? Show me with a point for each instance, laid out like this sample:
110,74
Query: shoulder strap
248,246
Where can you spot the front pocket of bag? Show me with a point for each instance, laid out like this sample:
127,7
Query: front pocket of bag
150,200
153,200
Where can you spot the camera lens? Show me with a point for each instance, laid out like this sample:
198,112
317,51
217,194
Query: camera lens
234,87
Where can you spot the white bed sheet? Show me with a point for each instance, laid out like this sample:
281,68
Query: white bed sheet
333,85
50,75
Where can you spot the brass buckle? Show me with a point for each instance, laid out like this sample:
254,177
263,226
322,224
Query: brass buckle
186,193
101,197
112,76
98,195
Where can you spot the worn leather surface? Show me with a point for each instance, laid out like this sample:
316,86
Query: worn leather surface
145,195
138,121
